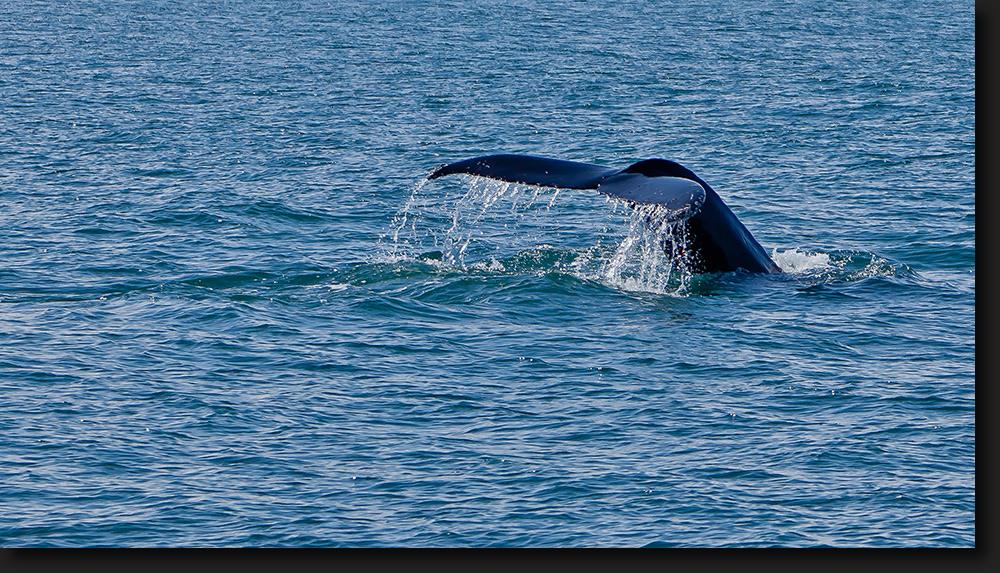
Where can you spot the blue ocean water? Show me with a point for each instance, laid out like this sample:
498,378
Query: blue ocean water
233,313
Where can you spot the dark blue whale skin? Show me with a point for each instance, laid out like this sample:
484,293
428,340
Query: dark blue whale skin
718,240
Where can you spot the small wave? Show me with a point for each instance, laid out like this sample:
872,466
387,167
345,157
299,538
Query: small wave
275,210
813,270
875,266
839,266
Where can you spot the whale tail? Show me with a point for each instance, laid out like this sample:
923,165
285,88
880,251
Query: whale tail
721,243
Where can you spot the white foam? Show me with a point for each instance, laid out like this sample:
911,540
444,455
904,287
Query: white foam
490,265
796,261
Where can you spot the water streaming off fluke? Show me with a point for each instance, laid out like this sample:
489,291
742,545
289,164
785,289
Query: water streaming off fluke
636,248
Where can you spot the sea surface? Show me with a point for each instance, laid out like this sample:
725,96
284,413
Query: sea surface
234,313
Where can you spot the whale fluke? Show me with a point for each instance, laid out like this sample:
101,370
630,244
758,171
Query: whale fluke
719,241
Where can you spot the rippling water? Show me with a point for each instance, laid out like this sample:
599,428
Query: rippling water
232,313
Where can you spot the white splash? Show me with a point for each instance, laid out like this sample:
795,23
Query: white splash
654,255
796,261
876,267
407,216
490,265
